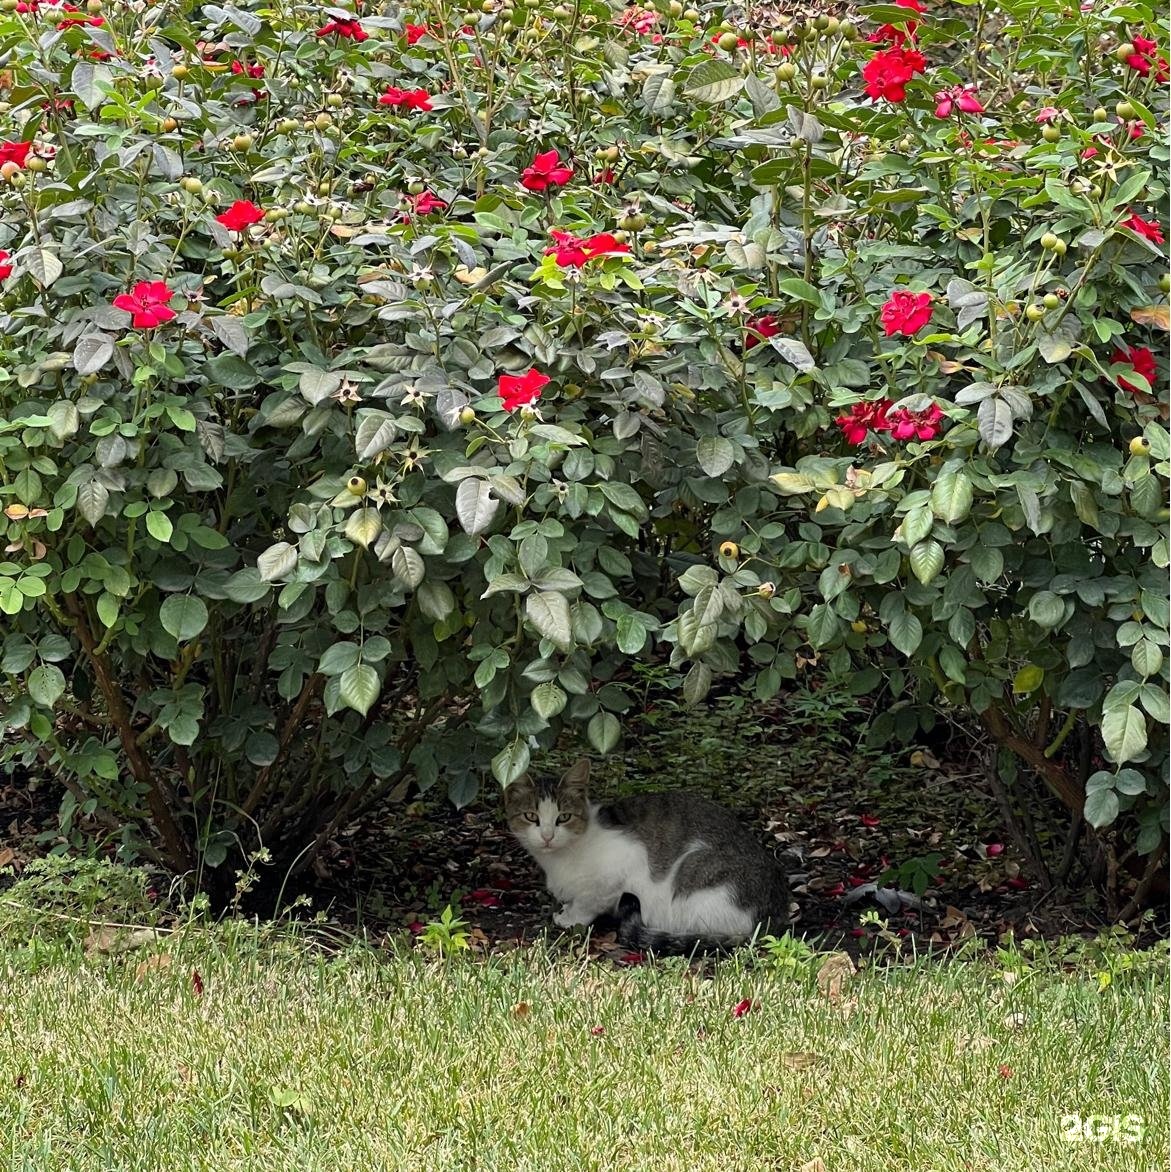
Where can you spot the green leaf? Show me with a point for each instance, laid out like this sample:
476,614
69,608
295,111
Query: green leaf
339,658
1101,807
715,454
927,561
987,562
46,684
511,762
548,700
905,632
408,566
603,731
92,352
994,422
278,561
159,526
697,683
435,600
363,527
1146,657
1124,733
631,634
43,266
89,81
658,93
951,495
1047,609
1054,347
713,81
799,290
92,498
359,687
475,506
548,611
183,616
795,353
1028,679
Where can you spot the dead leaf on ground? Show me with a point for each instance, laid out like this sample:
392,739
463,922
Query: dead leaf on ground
113,939
6,856
1158,317
800,1059
1015,1021
153,964
520,1010
976,1043
817,1164
834,972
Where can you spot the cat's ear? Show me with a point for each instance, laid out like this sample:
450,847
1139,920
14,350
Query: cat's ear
518,795
577,776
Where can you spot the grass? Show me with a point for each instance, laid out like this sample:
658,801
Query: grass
289,1058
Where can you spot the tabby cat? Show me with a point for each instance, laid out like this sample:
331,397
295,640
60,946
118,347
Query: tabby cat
680,872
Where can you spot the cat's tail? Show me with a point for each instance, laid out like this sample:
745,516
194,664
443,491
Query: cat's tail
633,933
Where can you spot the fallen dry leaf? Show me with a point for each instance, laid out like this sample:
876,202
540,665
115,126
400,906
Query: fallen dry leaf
799,1059
152,964
817,1164
977,1043
1158,317
1015,1021
834,972
520,1010
6,856
112,939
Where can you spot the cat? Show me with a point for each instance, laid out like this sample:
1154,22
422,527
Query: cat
679,872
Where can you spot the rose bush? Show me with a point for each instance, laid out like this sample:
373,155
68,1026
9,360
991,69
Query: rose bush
378,385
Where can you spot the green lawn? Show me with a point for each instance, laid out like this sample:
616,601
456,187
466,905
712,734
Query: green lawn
291,1060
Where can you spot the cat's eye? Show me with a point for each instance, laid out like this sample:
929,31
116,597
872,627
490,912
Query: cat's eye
531,817
563,818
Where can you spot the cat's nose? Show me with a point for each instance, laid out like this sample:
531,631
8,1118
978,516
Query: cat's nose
547,836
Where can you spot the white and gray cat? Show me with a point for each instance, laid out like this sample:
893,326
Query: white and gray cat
680,872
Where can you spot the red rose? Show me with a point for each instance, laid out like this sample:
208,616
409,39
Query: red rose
147,301
958,97
1148,228
546,170
411,99
906,313
518,390
602,178
572,252
240,215
889,70
743,1007
346,29
426,202
253,71
864,418
921,425
1141,360
1047,114
14,152
1143,59
414,33
757,329
5,267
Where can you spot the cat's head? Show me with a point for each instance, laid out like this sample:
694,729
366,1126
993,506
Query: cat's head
546,815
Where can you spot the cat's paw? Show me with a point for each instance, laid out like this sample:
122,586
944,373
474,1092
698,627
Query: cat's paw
566,918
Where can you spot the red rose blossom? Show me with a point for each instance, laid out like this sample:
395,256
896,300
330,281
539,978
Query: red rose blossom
414,33
5,267
14,152
545,171
519,390
920,425
1147,228
757,329
1047,114
253,71
889,70
743,1007
411,99
864,418
1142,361
240,215
426,202
572,251
345,29
603,178
1144,58
147,301
906,313
958,97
